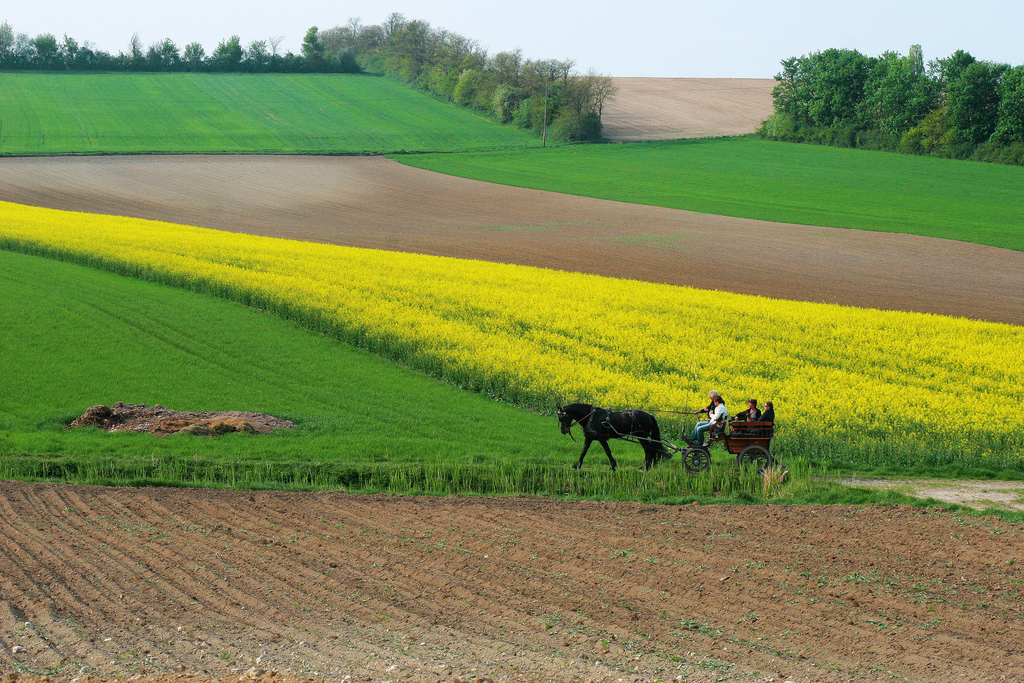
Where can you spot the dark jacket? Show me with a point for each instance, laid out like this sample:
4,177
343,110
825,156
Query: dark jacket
752,415
768,415
711,406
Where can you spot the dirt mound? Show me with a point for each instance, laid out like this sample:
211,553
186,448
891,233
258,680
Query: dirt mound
144,581
125,417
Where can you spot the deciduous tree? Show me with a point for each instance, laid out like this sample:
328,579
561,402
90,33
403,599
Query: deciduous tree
6,42
897,93
312,48
193,56
229,53
47,51
1010,123
973,102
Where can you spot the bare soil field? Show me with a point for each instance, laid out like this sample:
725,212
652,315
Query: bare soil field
673,108
378,203
238,585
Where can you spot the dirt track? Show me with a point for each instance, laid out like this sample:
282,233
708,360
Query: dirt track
127,581
374,202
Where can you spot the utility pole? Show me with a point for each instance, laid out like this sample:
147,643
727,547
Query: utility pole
544,134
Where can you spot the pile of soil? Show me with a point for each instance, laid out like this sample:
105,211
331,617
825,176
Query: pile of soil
126,417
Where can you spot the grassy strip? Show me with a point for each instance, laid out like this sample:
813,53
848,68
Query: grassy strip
776,181
500,477
114,113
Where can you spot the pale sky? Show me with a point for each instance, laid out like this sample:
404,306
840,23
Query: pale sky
710,39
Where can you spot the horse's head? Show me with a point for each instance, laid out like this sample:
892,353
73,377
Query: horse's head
565,420
573,413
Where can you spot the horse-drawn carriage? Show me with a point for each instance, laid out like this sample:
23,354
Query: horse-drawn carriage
750,442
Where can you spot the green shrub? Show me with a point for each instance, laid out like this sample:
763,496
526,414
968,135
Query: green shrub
780,126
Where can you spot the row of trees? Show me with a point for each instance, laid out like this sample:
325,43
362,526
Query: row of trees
544,95
18,51
957,107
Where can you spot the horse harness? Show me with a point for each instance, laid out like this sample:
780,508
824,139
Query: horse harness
579,422
606,424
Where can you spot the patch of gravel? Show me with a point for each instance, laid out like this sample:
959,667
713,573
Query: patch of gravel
980,495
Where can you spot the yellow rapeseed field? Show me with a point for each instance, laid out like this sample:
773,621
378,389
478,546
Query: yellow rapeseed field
887,382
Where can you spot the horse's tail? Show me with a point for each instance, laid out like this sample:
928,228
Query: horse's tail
654,436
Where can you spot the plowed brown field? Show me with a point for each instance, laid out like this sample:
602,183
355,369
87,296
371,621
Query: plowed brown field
163,585
374,202
215,583
673,108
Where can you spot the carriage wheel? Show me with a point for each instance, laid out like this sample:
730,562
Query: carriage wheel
696,460
756,456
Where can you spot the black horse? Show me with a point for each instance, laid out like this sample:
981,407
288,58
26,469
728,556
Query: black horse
600,425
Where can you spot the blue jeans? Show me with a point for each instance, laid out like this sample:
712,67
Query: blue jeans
700,430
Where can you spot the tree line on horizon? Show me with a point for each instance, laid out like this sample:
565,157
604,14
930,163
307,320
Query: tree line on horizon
546,96
957,107
45,52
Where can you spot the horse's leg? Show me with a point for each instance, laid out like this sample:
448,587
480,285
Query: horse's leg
651,453
615,465
654,449
586,447
654,452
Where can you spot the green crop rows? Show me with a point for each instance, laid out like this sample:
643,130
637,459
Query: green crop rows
233,113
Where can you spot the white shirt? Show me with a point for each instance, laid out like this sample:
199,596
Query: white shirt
719,414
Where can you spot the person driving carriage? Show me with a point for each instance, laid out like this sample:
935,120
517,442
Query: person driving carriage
711,406
717,415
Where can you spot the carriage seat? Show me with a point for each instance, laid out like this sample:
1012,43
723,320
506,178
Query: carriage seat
751,429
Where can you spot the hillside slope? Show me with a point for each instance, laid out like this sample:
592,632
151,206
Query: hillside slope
183,113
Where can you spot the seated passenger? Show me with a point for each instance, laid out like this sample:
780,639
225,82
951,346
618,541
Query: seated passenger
769,412
751,414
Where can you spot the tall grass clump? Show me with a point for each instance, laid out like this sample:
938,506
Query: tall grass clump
436,476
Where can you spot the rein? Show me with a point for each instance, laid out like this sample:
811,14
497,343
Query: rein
580,423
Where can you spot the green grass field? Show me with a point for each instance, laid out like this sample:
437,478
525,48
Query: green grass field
75,337
791,183
46,113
